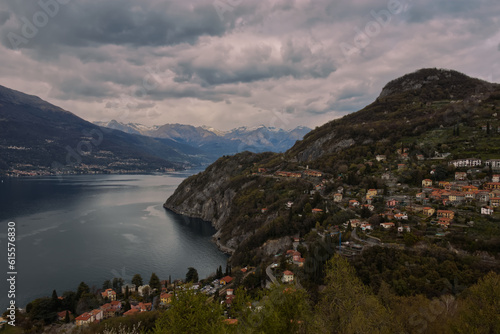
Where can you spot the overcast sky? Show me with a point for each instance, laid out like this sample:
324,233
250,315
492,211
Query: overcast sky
229,63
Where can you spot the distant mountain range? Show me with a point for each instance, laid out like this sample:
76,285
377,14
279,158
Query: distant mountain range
215,143
39,138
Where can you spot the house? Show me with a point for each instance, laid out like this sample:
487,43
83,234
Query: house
229,292
313,173
483,196
144,307
401,216
444,222
83,319
287,276
289,204
143,289
165,298
97,315
405,156
296,256
445,214
420,157
428,211
132,311
495,178
495,202
444,184
225,280
492,185
289,174
420,196
380,157
460,176
116,304
337,198
316,210
494,163
262,170
263,210
387,225
487,210
392,203
366,227
371,193
108,311
369,207
109,293
426,183
131,287
470,162
353,203
406,228
401,166
61,316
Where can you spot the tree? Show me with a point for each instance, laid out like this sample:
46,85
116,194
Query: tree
480,308
66,317
192,275
154,282
137,281
191,312
118,283
106,285
346,301
127,293
82,289
55,301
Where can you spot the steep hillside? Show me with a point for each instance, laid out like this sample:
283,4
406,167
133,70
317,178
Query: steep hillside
425,113
407,106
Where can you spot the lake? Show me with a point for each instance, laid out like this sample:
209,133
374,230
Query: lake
95,227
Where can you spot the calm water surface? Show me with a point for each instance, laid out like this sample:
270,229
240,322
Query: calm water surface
95,227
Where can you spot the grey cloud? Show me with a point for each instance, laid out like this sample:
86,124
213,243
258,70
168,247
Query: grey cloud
4,17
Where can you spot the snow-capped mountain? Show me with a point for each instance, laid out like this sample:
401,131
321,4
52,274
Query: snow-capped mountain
215,142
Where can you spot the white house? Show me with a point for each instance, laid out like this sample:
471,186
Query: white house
486,210
287,276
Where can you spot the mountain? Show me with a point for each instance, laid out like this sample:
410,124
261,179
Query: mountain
217,143
415,119
38,137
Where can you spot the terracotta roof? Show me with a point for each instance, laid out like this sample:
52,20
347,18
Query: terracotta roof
62,314
227,279
132,311
231,321
85,316
287,272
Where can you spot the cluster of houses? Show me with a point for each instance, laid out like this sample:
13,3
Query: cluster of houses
461,191
304,173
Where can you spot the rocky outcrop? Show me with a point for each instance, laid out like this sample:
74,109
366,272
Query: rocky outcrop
209,195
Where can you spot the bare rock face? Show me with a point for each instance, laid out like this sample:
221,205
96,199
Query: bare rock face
276,246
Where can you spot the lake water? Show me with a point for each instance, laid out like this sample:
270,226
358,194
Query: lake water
95,227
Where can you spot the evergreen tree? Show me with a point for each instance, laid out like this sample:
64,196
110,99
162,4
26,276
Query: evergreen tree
82,289
192,275
55,301
127,293
154,282
66,317
106,285
137,281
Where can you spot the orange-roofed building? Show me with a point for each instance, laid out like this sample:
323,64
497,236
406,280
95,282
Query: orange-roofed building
109,293
83,319
231,321
445,214
287,276
226,280
132,311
